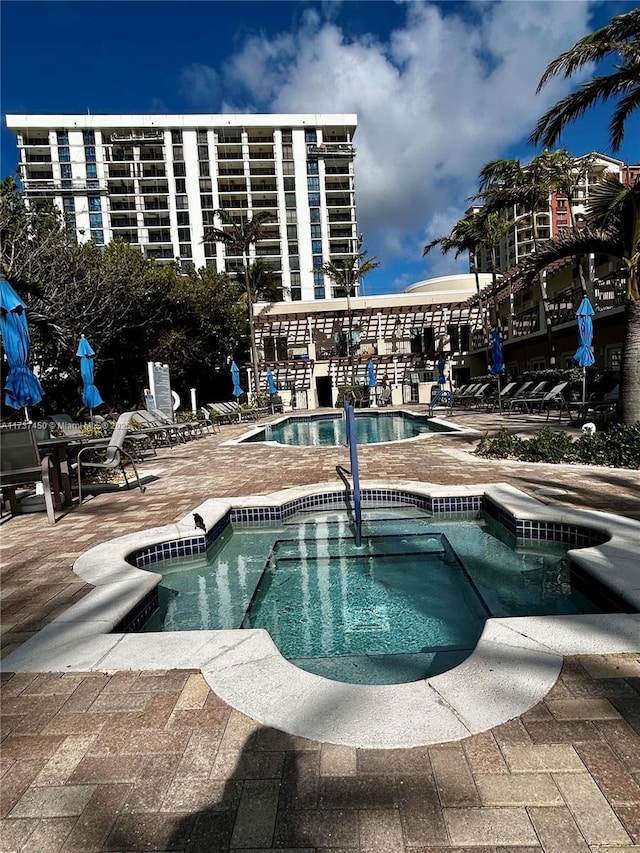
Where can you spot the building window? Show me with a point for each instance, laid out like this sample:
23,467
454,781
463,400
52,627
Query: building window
290,200
316,232
314,199
202,136
183,218
315,215
185,250
181,185
204,167
179,170
287,135
88,137
454,340
313,184
90,154
316,246
287,152
311,136
94,204
319,291
64,155
98,237
312,167
68,205
288,168
317,262
318,277
178,152
289,184
63,137
92,170
205,201
95,220
294,262
203,152
292,232
182,202
292,217
65,170
176,137
184,234
275,348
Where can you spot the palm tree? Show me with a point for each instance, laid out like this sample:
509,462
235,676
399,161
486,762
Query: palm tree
474,232
239,237
346,274
613,228
618,40
504,185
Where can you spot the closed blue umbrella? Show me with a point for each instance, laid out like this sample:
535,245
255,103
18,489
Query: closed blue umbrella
371,379
235,375
271,383
90,394
441,377
22,387
584,356
497,361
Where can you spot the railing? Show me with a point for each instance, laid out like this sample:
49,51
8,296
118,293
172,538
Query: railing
331,149
343,473
146,136
526,323
610,292
562,307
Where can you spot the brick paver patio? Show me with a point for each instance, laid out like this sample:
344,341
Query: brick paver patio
135,761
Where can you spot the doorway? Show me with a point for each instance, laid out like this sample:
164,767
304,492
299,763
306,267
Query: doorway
324,387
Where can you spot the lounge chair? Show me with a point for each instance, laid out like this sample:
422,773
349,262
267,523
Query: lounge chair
545,400
526,393
161,434
21,465
600,409
114,455
497,400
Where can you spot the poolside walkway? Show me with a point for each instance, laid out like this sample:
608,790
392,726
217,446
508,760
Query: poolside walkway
134,761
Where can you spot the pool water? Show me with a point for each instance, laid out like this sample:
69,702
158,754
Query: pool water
409,603
329,430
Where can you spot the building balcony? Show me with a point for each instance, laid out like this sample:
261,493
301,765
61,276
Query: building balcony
234,203
156,204
38,156
120,172
264,203
230,155
526,323
236,187
154,221
331,149
154,172
161,188
124,204
341,216
159,253
42,141
161,236
610,291
124,222
137,136
261,155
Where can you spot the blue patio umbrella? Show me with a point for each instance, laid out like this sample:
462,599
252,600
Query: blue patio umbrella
497,361
271,383
90,394
22,387
235,375
584,356
441,377
371,377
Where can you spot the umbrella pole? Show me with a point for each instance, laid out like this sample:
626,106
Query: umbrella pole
499,397
584,385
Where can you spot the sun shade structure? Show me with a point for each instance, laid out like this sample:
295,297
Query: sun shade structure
235,376
584,356
90,394
271,383
22,388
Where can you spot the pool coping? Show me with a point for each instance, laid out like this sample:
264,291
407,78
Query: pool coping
516,661
451,428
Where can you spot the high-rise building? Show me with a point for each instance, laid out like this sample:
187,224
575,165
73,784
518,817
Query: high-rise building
156,180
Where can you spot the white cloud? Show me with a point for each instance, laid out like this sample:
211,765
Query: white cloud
200,84
450,90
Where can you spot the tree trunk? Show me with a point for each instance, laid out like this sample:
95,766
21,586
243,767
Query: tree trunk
630,367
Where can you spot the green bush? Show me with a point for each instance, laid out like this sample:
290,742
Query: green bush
616,447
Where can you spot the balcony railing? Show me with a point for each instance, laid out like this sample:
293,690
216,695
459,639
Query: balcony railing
610,292
331,149
526,323
562,307
137,136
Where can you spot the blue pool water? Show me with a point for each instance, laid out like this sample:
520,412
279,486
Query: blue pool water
409,603
329,430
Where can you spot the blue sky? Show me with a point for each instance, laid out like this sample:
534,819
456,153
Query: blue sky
439,88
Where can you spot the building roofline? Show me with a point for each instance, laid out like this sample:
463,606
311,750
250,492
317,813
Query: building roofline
183,120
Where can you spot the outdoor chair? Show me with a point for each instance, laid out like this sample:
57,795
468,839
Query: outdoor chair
525,397
160,434
600,409
114,455
542,400
190,429
462,394
384,395
497,400
360,397
475,397
211,419
21,465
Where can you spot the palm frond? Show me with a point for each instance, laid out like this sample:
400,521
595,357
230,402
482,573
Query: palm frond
627,104
596,46
572,242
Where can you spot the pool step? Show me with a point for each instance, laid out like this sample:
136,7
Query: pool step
337,547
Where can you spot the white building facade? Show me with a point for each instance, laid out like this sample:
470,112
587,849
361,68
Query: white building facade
156,180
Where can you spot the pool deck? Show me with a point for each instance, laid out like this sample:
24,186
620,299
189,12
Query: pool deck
155,760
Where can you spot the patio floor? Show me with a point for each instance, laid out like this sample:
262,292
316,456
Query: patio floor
135,761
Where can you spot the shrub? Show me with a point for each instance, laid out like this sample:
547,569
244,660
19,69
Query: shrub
616,447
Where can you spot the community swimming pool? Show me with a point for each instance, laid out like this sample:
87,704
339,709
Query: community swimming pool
409,603
328,430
